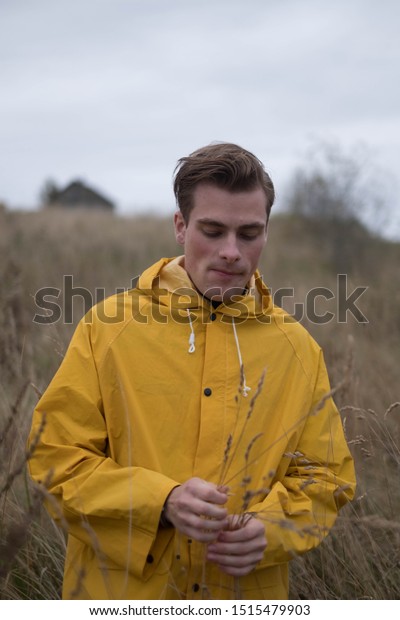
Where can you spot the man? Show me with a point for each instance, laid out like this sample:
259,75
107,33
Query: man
189,437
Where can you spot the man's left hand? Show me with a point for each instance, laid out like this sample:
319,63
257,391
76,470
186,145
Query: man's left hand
238,551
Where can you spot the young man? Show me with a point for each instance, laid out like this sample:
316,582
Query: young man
190,440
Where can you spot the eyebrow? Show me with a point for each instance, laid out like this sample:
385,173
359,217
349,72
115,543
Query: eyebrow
211,222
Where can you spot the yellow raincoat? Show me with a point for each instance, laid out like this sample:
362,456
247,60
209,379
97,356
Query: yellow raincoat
131,413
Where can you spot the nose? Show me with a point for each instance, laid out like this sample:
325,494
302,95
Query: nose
229,251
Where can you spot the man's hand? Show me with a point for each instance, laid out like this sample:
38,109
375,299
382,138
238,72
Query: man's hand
195,509
238,551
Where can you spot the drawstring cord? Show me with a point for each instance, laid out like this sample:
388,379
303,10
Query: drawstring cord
245,389
192,337
192,348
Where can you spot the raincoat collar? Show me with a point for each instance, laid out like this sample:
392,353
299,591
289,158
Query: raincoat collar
169,283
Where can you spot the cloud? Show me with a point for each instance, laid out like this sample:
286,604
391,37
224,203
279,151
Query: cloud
117,91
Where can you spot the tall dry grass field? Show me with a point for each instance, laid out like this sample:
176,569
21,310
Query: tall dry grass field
360,558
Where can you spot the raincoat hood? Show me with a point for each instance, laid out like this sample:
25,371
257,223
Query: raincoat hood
171,287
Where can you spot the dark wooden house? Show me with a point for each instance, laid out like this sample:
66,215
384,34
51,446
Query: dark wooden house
78,195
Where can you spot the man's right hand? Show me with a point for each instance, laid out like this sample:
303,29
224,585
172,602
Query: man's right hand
195,509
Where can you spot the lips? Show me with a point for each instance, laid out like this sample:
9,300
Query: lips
226,273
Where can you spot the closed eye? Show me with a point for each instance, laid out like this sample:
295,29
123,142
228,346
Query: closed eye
212,233
249,236
249,233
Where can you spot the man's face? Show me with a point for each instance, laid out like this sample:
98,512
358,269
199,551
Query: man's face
223,239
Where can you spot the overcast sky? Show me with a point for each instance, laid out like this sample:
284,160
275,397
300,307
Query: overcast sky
115,91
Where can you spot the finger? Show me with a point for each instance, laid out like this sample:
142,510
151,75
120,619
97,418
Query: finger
235,536
203,536
240,559
212,512
201,523
248,530
238,548
238,536
216,550
210,493
185,503
202,510
201,530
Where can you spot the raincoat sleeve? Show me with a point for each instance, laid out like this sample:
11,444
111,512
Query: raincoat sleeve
302,506
113,509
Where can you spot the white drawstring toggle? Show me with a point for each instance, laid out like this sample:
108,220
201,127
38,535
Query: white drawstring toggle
192,348
192,337
245,389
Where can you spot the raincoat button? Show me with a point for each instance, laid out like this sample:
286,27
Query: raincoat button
150,559
195,587
213,316
207,391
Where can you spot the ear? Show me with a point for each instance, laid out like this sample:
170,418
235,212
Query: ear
180,228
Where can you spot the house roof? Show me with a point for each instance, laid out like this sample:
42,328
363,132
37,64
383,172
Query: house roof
78,194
